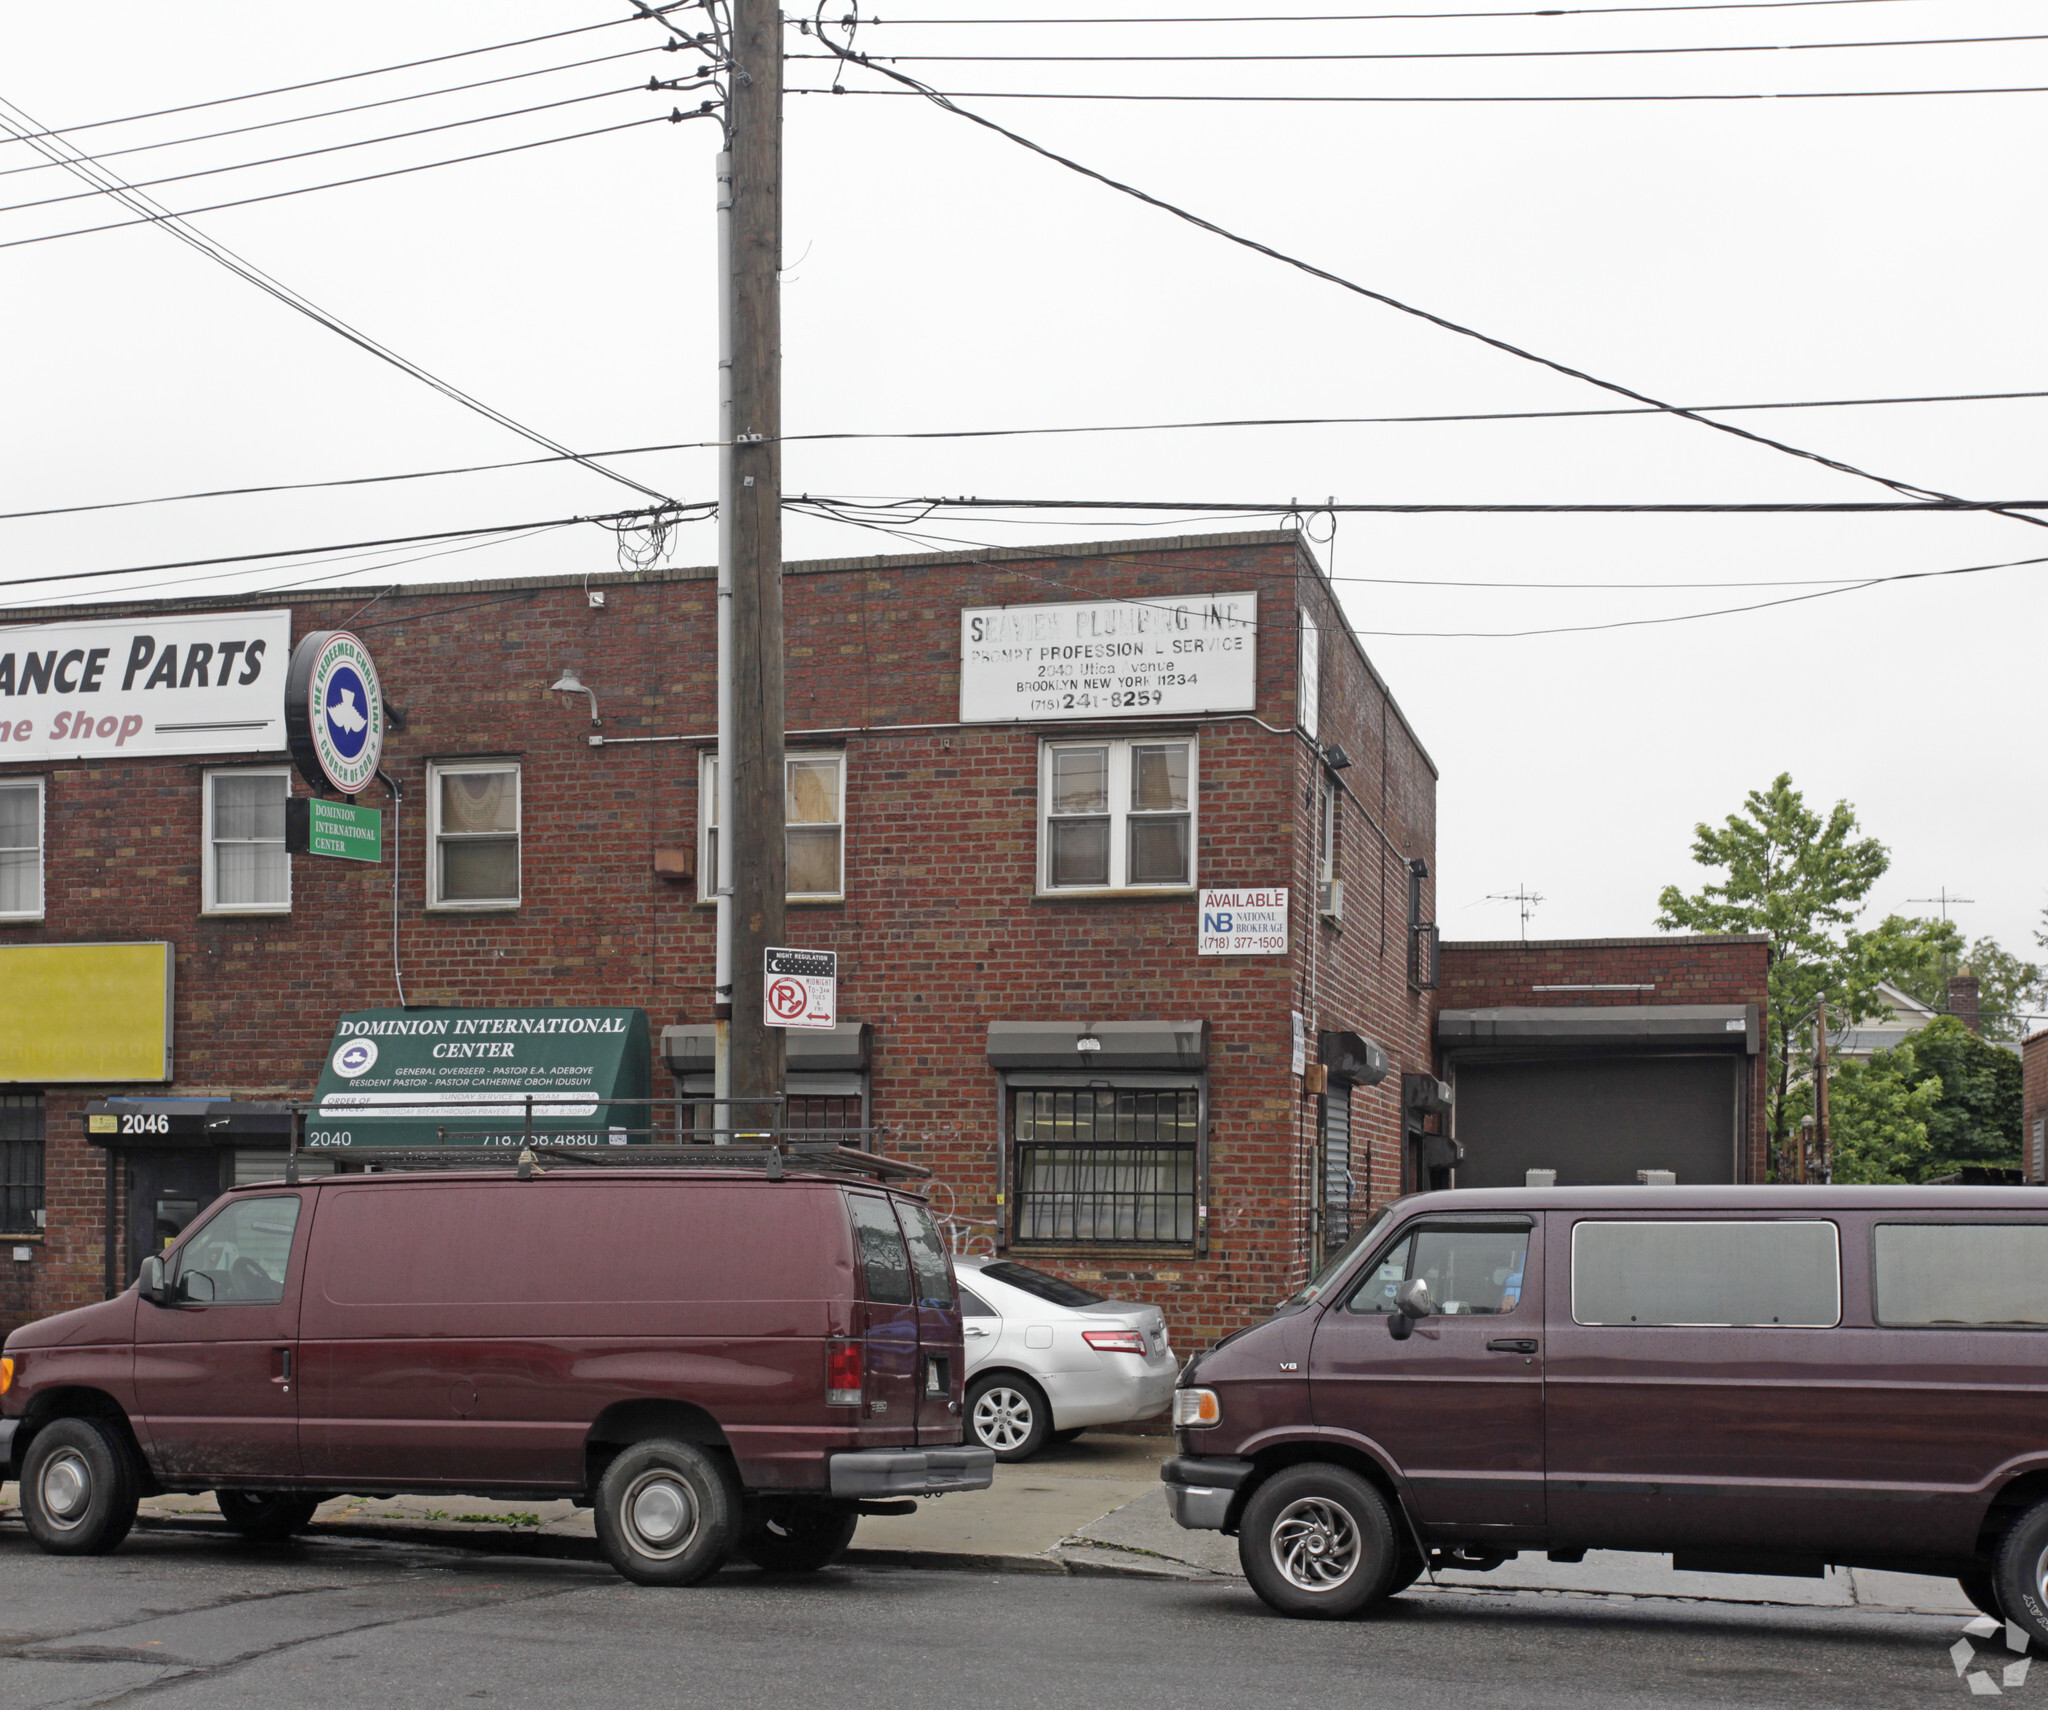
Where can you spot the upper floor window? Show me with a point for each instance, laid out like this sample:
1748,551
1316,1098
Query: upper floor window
246,868
473,834
21,849
1118,815
814,825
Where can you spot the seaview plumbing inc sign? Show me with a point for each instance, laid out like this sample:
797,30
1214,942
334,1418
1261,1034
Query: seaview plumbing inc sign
1096,659
461,1077
187,683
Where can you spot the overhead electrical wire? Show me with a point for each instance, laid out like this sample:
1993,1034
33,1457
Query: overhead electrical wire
346,76
1334,507
946,104
1437,100
1396,17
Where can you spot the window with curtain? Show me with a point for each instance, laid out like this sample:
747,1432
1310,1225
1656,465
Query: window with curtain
21,849
814,825
1105,1165
474,836
247,869
1118,815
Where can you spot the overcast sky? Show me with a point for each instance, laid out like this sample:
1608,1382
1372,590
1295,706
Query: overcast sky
940,278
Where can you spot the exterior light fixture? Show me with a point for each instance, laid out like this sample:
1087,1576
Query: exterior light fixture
1335,758
571,684
1087,1040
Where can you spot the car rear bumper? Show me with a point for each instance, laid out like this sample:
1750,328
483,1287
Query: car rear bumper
1199,1489
912,1472
1119,1393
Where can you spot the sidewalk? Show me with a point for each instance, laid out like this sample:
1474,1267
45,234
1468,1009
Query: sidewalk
1091,1507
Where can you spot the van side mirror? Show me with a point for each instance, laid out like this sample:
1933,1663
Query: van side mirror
1411,1301
151,1281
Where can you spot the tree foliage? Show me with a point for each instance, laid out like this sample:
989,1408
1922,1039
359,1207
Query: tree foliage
1878,1117
1921,955
1977,1118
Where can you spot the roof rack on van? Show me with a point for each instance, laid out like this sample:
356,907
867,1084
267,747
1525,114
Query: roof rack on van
771,1161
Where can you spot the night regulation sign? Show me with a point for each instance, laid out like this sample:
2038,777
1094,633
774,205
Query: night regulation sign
1243,923
800,988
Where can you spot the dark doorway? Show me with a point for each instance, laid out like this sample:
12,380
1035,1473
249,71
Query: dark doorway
1599,1119
166,1191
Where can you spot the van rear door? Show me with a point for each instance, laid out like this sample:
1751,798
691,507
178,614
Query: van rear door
941,1358
889,1312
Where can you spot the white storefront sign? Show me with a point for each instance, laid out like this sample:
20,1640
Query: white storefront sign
186,683
1094,659
1243,923
800,988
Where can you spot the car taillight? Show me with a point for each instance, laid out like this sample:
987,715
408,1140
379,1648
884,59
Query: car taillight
1114,1341
842,1374
1196,1407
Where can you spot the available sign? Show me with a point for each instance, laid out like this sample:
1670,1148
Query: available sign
800,988
188,683
316,827
397,1077
1109,659
1243,923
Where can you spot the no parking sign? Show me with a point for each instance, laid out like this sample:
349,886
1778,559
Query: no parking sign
800,988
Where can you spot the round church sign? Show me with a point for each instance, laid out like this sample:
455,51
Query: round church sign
334,711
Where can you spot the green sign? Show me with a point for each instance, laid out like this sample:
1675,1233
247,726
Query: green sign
462,1077
313,826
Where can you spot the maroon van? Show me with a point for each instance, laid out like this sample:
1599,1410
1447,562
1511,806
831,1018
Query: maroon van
714,1360
1755,1380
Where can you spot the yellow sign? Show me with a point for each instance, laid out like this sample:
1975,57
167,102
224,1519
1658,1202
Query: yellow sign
102,1125
85,1012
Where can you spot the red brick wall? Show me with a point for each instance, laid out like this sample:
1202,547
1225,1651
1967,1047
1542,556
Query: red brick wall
940,931
2033,1101
1676,967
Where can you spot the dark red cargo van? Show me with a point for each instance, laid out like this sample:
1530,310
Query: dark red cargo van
1761,1380
714,1360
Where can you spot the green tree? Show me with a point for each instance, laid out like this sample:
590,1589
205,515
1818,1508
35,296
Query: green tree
2009,990
1976,1120
1802,879
1920,955
1878,1116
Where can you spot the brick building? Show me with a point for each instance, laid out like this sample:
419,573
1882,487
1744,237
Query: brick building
2034,1106
1011,888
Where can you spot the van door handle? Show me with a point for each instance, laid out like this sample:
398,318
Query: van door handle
1512,1345
284,1368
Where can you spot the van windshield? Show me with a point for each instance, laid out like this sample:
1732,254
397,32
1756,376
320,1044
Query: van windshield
1333,1267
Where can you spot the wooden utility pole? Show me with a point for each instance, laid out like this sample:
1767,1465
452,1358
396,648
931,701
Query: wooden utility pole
1820,1093
750,735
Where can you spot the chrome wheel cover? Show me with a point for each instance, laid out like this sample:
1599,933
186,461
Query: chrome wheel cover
64,1488
2041,1578
1003,1419
1315,1544
658,1514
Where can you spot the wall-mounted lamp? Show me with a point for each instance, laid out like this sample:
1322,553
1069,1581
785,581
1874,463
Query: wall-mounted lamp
571,684
1335,758
1087,1040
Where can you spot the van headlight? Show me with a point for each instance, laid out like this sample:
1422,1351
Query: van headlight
1196,1407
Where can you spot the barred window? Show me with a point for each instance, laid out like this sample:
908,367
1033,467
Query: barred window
21,1163
1105,1165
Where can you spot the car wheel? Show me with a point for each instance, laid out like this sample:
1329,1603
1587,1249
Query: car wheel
666,1513
799,1537
2019,1575
1066,1436
265,1516
79,1487
1982,1593
1317,1540
1009,1415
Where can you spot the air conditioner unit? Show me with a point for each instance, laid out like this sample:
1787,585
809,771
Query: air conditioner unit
1330,899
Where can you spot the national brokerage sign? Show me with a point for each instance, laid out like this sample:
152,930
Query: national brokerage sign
1243,923
184,683
401,1077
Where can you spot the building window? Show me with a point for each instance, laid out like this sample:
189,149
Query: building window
814,826
21,1163
21,849
473,834
1105,1166
247,869
1118,815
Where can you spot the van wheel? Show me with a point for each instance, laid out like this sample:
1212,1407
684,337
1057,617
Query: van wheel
1009,1415
79,1488
2019,1575
666,1513
265,1516
799,1537
1317,1540
1982,1593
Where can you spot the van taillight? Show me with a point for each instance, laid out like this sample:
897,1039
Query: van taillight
842,1374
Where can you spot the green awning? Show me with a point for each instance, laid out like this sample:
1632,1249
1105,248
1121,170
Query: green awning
462,1077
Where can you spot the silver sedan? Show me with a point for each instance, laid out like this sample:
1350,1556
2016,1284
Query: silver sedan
1047,1358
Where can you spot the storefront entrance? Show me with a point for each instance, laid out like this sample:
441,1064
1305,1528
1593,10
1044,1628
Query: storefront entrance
166,1190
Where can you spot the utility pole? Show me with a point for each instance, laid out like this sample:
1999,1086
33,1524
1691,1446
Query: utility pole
752,878
1820,1095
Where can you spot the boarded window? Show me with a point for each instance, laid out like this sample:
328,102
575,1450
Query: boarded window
1746,1274
1962,1274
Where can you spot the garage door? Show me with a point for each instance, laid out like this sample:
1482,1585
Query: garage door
1597,1120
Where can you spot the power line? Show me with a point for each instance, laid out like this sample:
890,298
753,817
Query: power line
1473,53
946,104
344,77
1392,17
1763,507
1434,100
337,112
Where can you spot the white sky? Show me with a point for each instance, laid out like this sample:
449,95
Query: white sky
941,278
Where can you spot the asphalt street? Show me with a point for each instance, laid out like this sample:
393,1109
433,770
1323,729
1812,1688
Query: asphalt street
190,1618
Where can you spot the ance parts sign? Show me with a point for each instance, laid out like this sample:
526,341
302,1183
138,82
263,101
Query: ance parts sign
190,683
1094,659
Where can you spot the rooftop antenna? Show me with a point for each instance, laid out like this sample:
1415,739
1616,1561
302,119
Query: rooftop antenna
1944,900
1525,900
